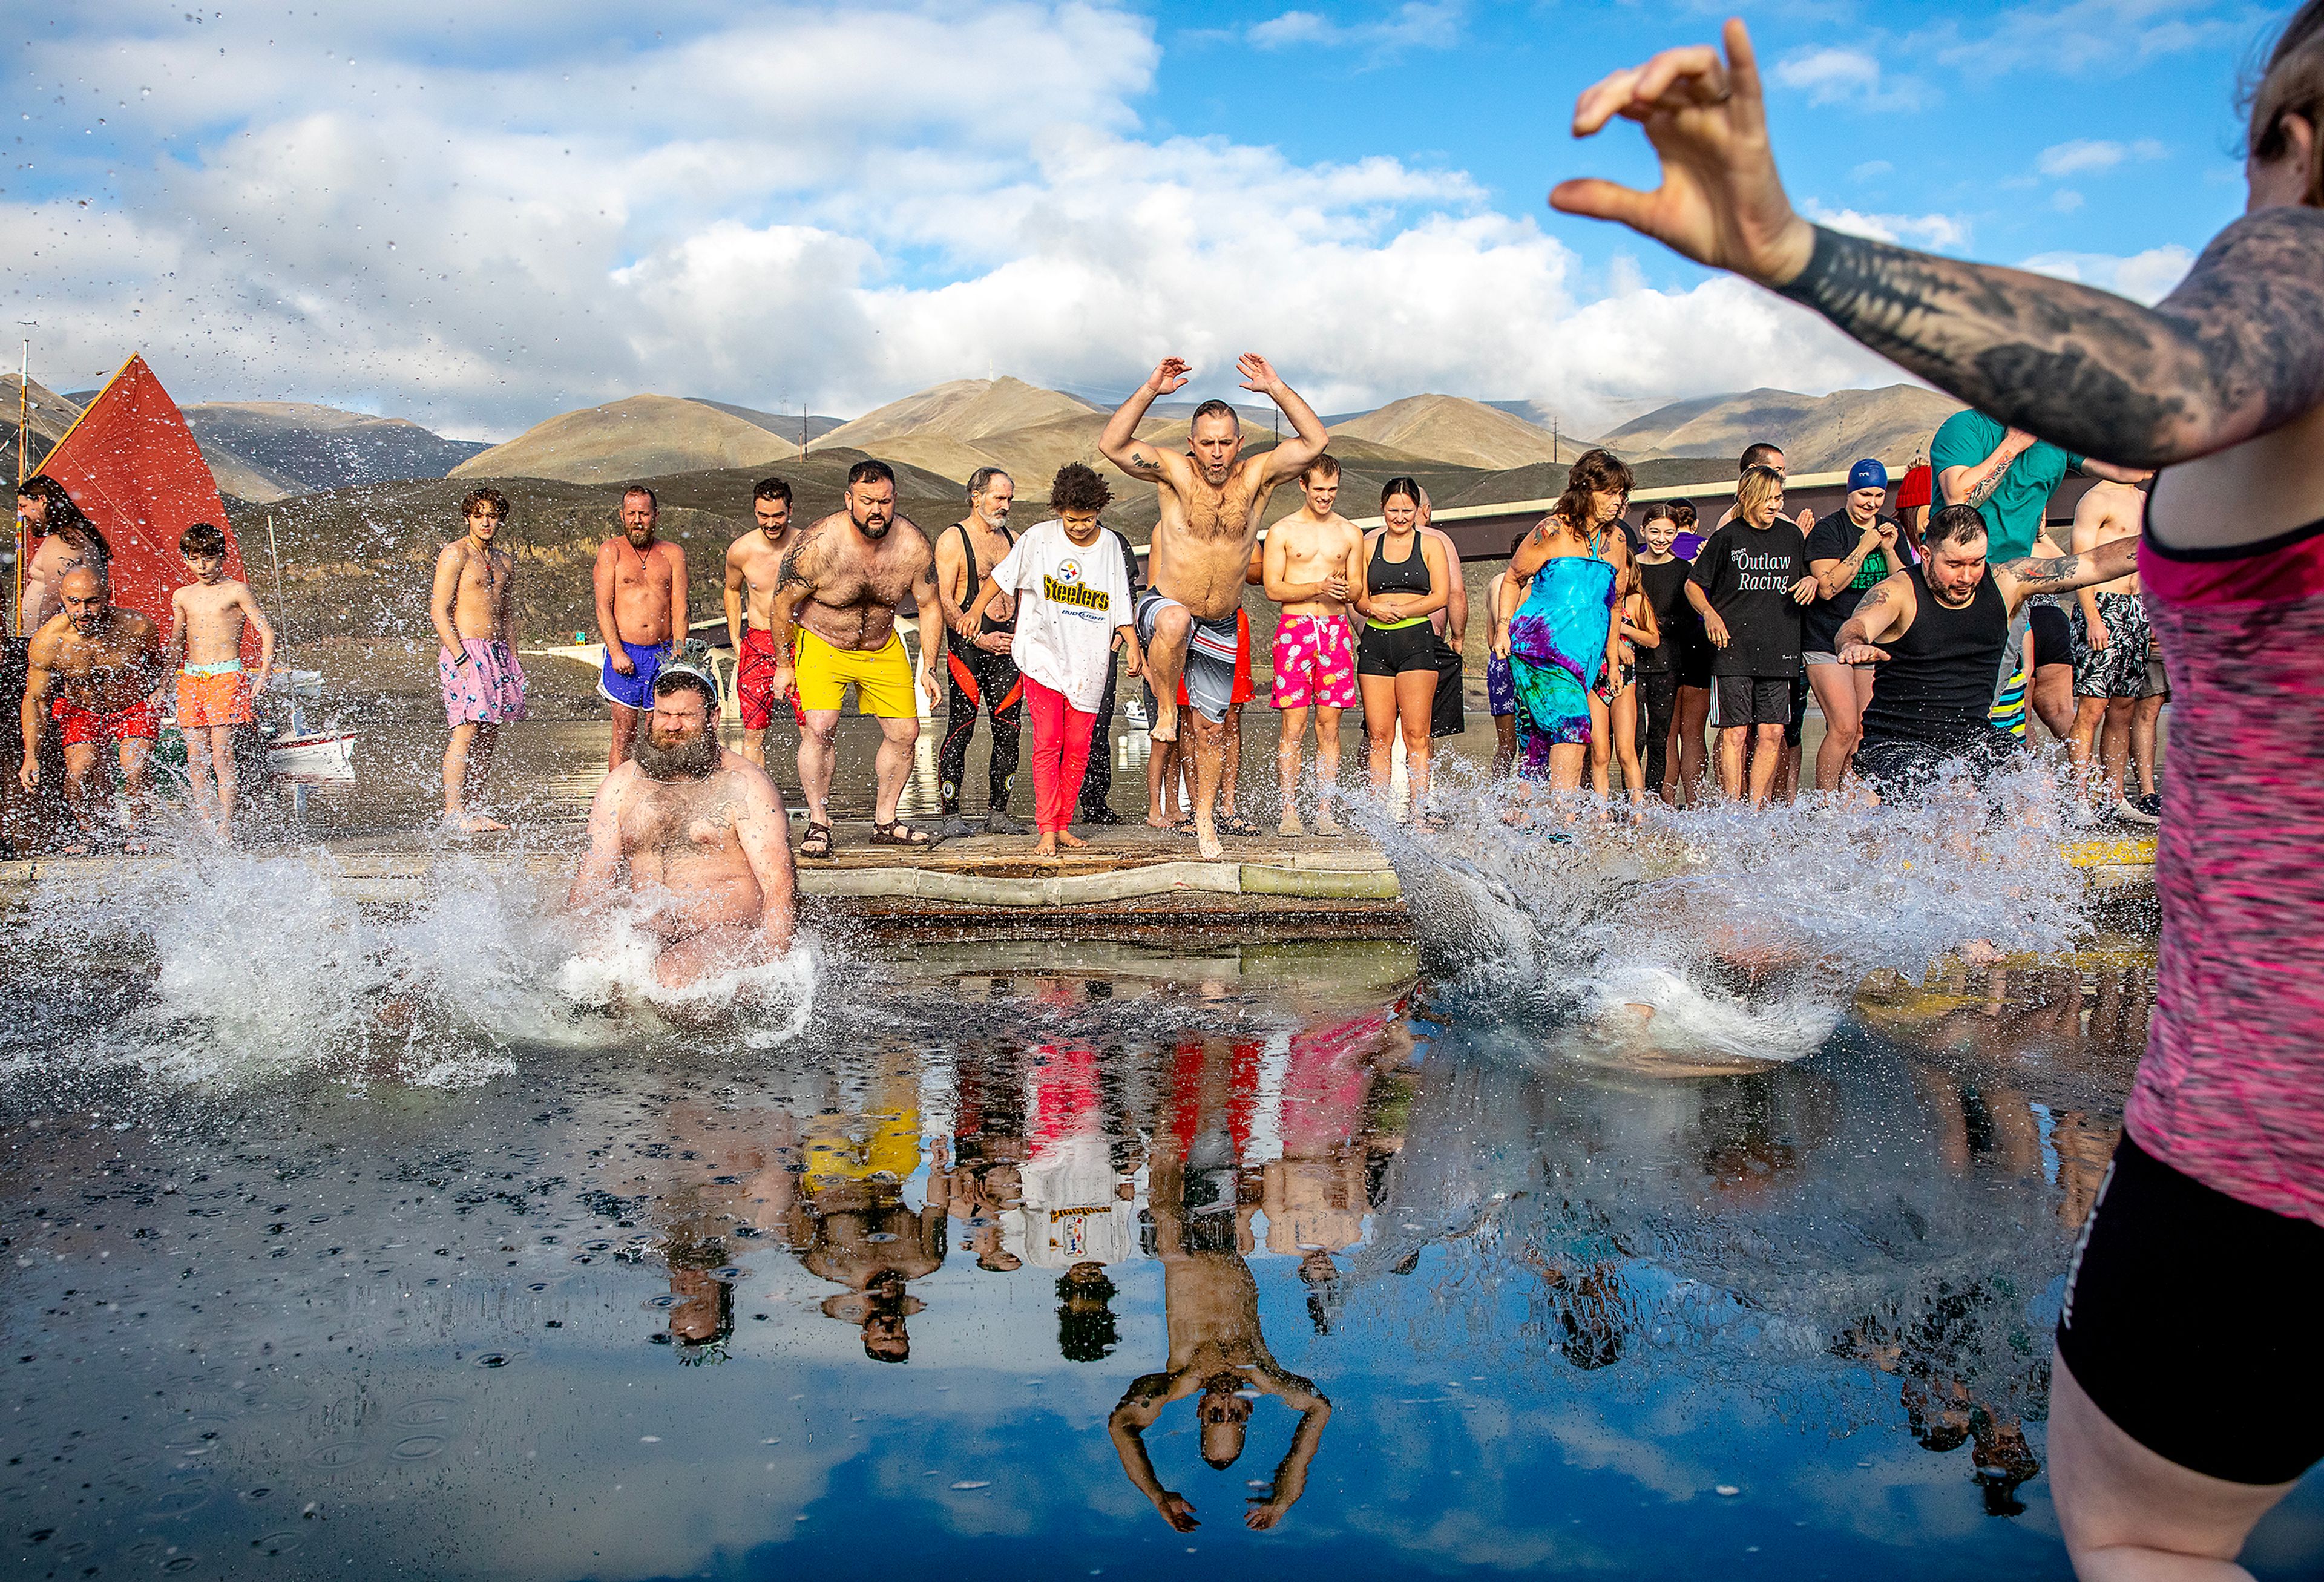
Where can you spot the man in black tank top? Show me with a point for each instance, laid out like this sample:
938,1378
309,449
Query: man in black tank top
1937,631
982,674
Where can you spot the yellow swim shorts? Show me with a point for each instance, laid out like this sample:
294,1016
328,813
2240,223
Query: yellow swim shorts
883,678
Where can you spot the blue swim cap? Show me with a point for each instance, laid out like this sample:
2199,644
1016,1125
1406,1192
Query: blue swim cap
1866,474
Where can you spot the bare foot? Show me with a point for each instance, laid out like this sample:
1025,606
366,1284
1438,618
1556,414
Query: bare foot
1206,841
1980,952
1291,826
1046,846
1325,824
1157,820
470,824
1166,720
1068,839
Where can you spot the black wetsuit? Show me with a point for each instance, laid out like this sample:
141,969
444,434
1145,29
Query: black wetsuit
1932,694
978,680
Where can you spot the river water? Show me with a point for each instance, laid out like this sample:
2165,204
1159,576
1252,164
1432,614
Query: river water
1673,1205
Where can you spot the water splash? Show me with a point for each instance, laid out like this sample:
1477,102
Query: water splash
1724,934
212,965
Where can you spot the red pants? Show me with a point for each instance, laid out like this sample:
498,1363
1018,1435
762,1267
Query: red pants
1061,750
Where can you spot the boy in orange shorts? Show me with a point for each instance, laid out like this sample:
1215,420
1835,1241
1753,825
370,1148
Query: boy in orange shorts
204,647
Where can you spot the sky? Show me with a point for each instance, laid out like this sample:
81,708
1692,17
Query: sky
477,215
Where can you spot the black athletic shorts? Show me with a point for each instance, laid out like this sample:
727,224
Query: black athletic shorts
2191,1319
1448,715
2054,636
1694,662
1900,770
1393,652
1754,700
1799,710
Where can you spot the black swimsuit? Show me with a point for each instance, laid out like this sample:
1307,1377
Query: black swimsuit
1409,645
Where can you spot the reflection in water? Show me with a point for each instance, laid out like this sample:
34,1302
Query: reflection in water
1264,1225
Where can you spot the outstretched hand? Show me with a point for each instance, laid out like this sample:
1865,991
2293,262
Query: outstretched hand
1258,373
1178,1511
1720,201
1170,374
1861,654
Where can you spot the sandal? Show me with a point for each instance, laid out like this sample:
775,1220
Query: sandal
901,833
817,843
1235,824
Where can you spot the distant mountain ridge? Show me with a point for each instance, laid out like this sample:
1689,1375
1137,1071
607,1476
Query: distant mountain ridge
637,437
302,448
1819,434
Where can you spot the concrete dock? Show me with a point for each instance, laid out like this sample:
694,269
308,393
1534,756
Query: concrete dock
1133,882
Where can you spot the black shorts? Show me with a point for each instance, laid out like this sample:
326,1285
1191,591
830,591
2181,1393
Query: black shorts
1448,716
2190,1320
1754,700
1901,769
1394,651
1694,665
1799,710
2054,636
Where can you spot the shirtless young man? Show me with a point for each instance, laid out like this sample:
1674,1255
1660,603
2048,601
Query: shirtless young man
640,614
1313,556
841,587
108,667
206,621
2110,642
477,668
699,834
977,658
2163,1456
754,564
1210,499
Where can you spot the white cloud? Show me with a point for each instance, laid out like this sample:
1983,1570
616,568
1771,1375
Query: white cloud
2084,155
1425,25
2145,277
1935,232
2065,200
1871,169
1831,75
338,215
2094,37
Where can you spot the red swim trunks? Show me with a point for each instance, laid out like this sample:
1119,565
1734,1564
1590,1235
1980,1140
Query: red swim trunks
134,724
754,681
1243,692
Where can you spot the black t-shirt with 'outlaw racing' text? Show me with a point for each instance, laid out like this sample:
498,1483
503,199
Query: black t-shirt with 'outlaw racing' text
1746,574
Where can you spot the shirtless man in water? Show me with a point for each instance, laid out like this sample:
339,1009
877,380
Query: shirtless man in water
1210,499
701,835
640,585
2164,1455
842,586
107,666
1313,556
754,564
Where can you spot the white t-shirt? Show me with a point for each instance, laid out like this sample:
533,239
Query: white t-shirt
1069,599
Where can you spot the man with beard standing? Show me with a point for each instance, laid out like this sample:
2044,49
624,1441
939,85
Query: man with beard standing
978,654
640,614
699,834
842,586
106,665
754,564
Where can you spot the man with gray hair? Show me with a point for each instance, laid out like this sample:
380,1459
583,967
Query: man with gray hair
981,674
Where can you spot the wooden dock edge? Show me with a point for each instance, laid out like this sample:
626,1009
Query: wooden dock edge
400,879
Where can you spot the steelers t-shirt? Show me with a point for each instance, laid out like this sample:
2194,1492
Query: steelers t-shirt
1070,598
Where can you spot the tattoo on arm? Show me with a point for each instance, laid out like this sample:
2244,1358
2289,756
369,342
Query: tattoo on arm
2237,350
2053,575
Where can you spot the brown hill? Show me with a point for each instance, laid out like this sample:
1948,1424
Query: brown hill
308,446
238,478
1819,434
46,421
357,561
1454,429
954,428
642,435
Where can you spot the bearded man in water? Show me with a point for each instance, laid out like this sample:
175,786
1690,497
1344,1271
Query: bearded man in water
1210,499
701,834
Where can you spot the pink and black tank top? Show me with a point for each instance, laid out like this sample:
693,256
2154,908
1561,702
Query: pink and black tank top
2231,1091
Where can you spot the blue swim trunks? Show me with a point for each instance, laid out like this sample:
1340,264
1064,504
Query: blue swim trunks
1500,691
635,691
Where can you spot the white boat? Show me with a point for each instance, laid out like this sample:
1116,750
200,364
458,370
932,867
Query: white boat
328,756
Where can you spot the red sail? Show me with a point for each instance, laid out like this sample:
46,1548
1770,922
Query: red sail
130,462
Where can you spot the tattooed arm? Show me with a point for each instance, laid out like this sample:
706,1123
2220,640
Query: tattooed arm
1119,443
2020,580
2236,350
1975,486
1886,609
